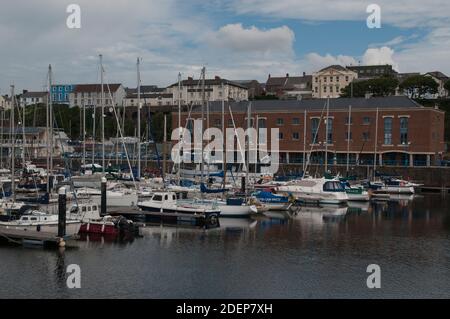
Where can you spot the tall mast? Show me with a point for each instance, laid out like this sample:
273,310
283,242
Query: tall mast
376,144
224,145
179,126
23,134
349,122
13,141
84,133
50,115
103,113
139,118
304,144
203,120
93,136
326,136
2,113
247,158
47,119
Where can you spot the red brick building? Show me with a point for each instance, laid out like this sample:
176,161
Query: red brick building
397,129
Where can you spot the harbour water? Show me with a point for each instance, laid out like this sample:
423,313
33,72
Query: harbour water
318,253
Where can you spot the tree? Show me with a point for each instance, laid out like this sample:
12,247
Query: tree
419,85
447,86
383,86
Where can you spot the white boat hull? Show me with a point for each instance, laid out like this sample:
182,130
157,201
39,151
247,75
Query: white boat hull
38,231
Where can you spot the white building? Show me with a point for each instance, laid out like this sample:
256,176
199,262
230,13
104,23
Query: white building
191,91
440,78
33,98
5,102
90,95
328,82
150,96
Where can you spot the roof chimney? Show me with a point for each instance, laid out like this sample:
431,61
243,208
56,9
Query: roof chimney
304,73
287,75
269,75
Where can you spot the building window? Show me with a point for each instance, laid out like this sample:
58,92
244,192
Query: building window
316,89
280,135
349,120
404,130
346,78
366,120
325,79
329,123
280,121
325,89
295,136
295,121
348,136
337,78
230,122
388,131
217,122
314,130
317,80
366,136
331,79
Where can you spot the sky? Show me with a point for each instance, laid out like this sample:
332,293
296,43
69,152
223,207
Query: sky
234,39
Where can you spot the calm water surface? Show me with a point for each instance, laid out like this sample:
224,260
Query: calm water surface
320,253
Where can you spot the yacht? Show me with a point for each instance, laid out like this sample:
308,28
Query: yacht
93,223
36,224
166,202
318,190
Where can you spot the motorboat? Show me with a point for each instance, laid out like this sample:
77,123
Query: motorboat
36,224
166,202
317,190
273,201
93,223
356,192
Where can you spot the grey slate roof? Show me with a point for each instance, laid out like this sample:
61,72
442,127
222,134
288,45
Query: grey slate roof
315,104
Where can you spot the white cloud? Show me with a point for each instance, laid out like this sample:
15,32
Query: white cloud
237,38
316,61
379,56
403,13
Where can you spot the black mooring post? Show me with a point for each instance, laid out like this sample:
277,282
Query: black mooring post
62,212
243,184
103,197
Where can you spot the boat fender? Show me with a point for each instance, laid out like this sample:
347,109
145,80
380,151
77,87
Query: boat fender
212,220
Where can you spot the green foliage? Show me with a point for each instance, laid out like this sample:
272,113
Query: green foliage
447,86
419,85
70,120
383,86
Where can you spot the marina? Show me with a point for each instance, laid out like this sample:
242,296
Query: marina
317,253
222,151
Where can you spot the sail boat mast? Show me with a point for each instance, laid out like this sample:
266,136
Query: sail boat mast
203,121
179,126
13,141
50,115
47,118
349,122
139,118
103,113
326,135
